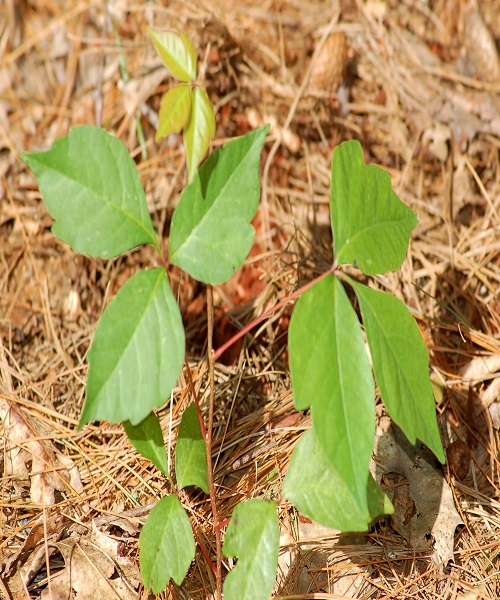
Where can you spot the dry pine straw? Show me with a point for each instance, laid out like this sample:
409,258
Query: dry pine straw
398,62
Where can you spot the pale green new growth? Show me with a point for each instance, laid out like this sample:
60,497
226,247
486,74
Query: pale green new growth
200,129
177,53
175,110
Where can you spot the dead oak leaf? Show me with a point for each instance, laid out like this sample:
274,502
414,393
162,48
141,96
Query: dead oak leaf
32,460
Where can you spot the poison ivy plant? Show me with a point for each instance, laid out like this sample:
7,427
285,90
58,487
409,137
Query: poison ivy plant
185,106
92,189
253,536
328,362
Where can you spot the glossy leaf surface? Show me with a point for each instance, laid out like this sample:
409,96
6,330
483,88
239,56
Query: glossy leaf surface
175,111
200,129
177,53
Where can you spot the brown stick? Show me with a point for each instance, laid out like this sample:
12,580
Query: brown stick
213,498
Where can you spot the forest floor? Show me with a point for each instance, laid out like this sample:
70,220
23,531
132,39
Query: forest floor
417,82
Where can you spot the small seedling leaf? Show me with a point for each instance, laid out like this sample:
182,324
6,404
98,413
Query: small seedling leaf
253,537
371,226
175,110
401,366
211,234
319,492
177,53
137,352
147,439
330,371
191,452
93,192
166,545
200,129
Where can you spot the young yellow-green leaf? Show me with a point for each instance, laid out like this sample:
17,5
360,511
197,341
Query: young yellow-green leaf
331,373
252,536
166,545
318,491
175,110
191,452
371,226
177,53
137,352
199,130
93,192
147,439
401,365
211,234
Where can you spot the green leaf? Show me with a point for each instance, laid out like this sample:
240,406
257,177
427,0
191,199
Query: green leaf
177,53
200,129
191,452
175,110
93,192
319,492
401,365
371,226
211,234
331,372
137,352
147,439
253,536
166,545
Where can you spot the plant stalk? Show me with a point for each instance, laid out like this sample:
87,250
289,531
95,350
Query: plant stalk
220,351
213,497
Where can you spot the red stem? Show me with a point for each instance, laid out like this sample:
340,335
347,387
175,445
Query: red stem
220,351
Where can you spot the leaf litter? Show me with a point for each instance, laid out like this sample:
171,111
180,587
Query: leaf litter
407,80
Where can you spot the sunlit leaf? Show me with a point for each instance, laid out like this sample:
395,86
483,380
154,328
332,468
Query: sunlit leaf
401,366
166,545
200,129
317,490
191,452
211,234
175,110
177,53
137,351
93,192
253,537
371,226
331,373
